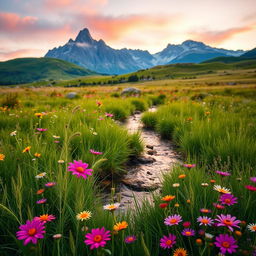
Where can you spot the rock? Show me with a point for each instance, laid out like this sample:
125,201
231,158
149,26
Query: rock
151,152
149,173
130,90
139,185
146,160
137,112
72,95
149,146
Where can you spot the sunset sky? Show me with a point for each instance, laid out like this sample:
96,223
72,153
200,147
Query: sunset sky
32,27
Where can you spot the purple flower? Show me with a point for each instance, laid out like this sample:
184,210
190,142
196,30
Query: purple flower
253,179
223,173
167,242
41,201
79,169
173,220
97,238
31,231
50,184
188,232
42,129
228,199
227,221
95,152
226,243
130,239
204,221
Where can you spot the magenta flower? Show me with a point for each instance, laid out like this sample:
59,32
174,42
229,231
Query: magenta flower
31,231
219,206
42,129
227,221
253,179
223,173
250,187
41,201
95,152
228,199
109,115
45,218
130,239
204,210
50,184
167,242
188,232
173,220
226,243
189,166
97,238
79,169
206,221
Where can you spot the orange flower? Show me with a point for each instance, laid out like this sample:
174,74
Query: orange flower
199,241
188,201
120,226
212,181
190,118
2,157
168,198
238,233
207,113
177,205
26,149
39,115
40,191
182,176
37,155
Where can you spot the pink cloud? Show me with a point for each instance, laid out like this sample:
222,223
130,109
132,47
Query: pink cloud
20,53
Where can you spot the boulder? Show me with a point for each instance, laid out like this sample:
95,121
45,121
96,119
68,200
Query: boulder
130,90
72,95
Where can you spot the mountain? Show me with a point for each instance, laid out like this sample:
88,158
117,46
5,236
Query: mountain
26,70
98,56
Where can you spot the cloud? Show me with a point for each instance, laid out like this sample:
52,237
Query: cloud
6,55
217,37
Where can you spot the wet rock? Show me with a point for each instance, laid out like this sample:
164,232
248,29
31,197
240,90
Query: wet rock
139,185
149,146
137,112
146,160
149,173
151,152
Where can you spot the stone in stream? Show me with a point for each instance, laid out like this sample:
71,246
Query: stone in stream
149,146
151,152
139,185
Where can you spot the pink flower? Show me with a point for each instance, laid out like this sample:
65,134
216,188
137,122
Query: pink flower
206,221
50,184
228,199
95,152
109,115
97,238
41,201
253,179
79,169
45,218
189,166
31,231
223,173
130,239
42,129
226,243
188,232
167,242
173,220
250,187
227,221
219,206
186,224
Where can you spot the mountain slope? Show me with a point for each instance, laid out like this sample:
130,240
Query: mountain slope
98,56
26,70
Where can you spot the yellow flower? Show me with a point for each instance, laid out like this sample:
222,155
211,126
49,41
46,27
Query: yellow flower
177,205
120,226
26,149
180,252
85,215
37,155
2,157
39,115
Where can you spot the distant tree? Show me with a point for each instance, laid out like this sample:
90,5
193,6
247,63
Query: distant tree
133,78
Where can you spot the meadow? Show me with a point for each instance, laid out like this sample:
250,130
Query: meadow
205,207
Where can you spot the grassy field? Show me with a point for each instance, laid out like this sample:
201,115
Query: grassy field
43,134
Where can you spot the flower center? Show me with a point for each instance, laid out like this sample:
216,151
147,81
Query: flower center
169,242
172,221
225,244
44,217
31,231
228,222
80,169
130,239
254,228
188,233
205,221
84,215
97,238
180,254
227,201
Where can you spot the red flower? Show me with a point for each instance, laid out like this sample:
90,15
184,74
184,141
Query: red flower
164,205
250,187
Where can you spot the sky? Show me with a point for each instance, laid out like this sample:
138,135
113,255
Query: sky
29,28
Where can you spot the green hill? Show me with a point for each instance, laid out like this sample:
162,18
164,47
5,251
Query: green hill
27,70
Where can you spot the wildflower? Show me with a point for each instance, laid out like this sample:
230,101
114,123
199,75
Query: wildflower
95,152
85,215
199,241
186,224
109,115
204,221
61,161
219,206
176,185
226,243
50,184
111,207
130,239
167,198
41,129
203,210
253,179
188,201
207,113
228,199
31,231
208,236
167,242
26,149
238,233
173,220
41,201
180,252
188,232
40,191
222,190
213,181
57,236
39,115
252,227
227,221
120,226
99,103
223,173
2,157
55,136
37,155
189,166
176,205
204,184
45,218
97,238
250,187
79,169
14,133
189,118
164,205
239,179
182,176
40,175
56,141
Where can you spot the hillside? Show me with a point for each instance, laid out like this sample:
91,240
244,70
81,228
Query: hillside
27,70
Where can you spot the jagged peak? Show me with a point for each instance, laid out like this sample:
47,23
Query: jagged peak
84,36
